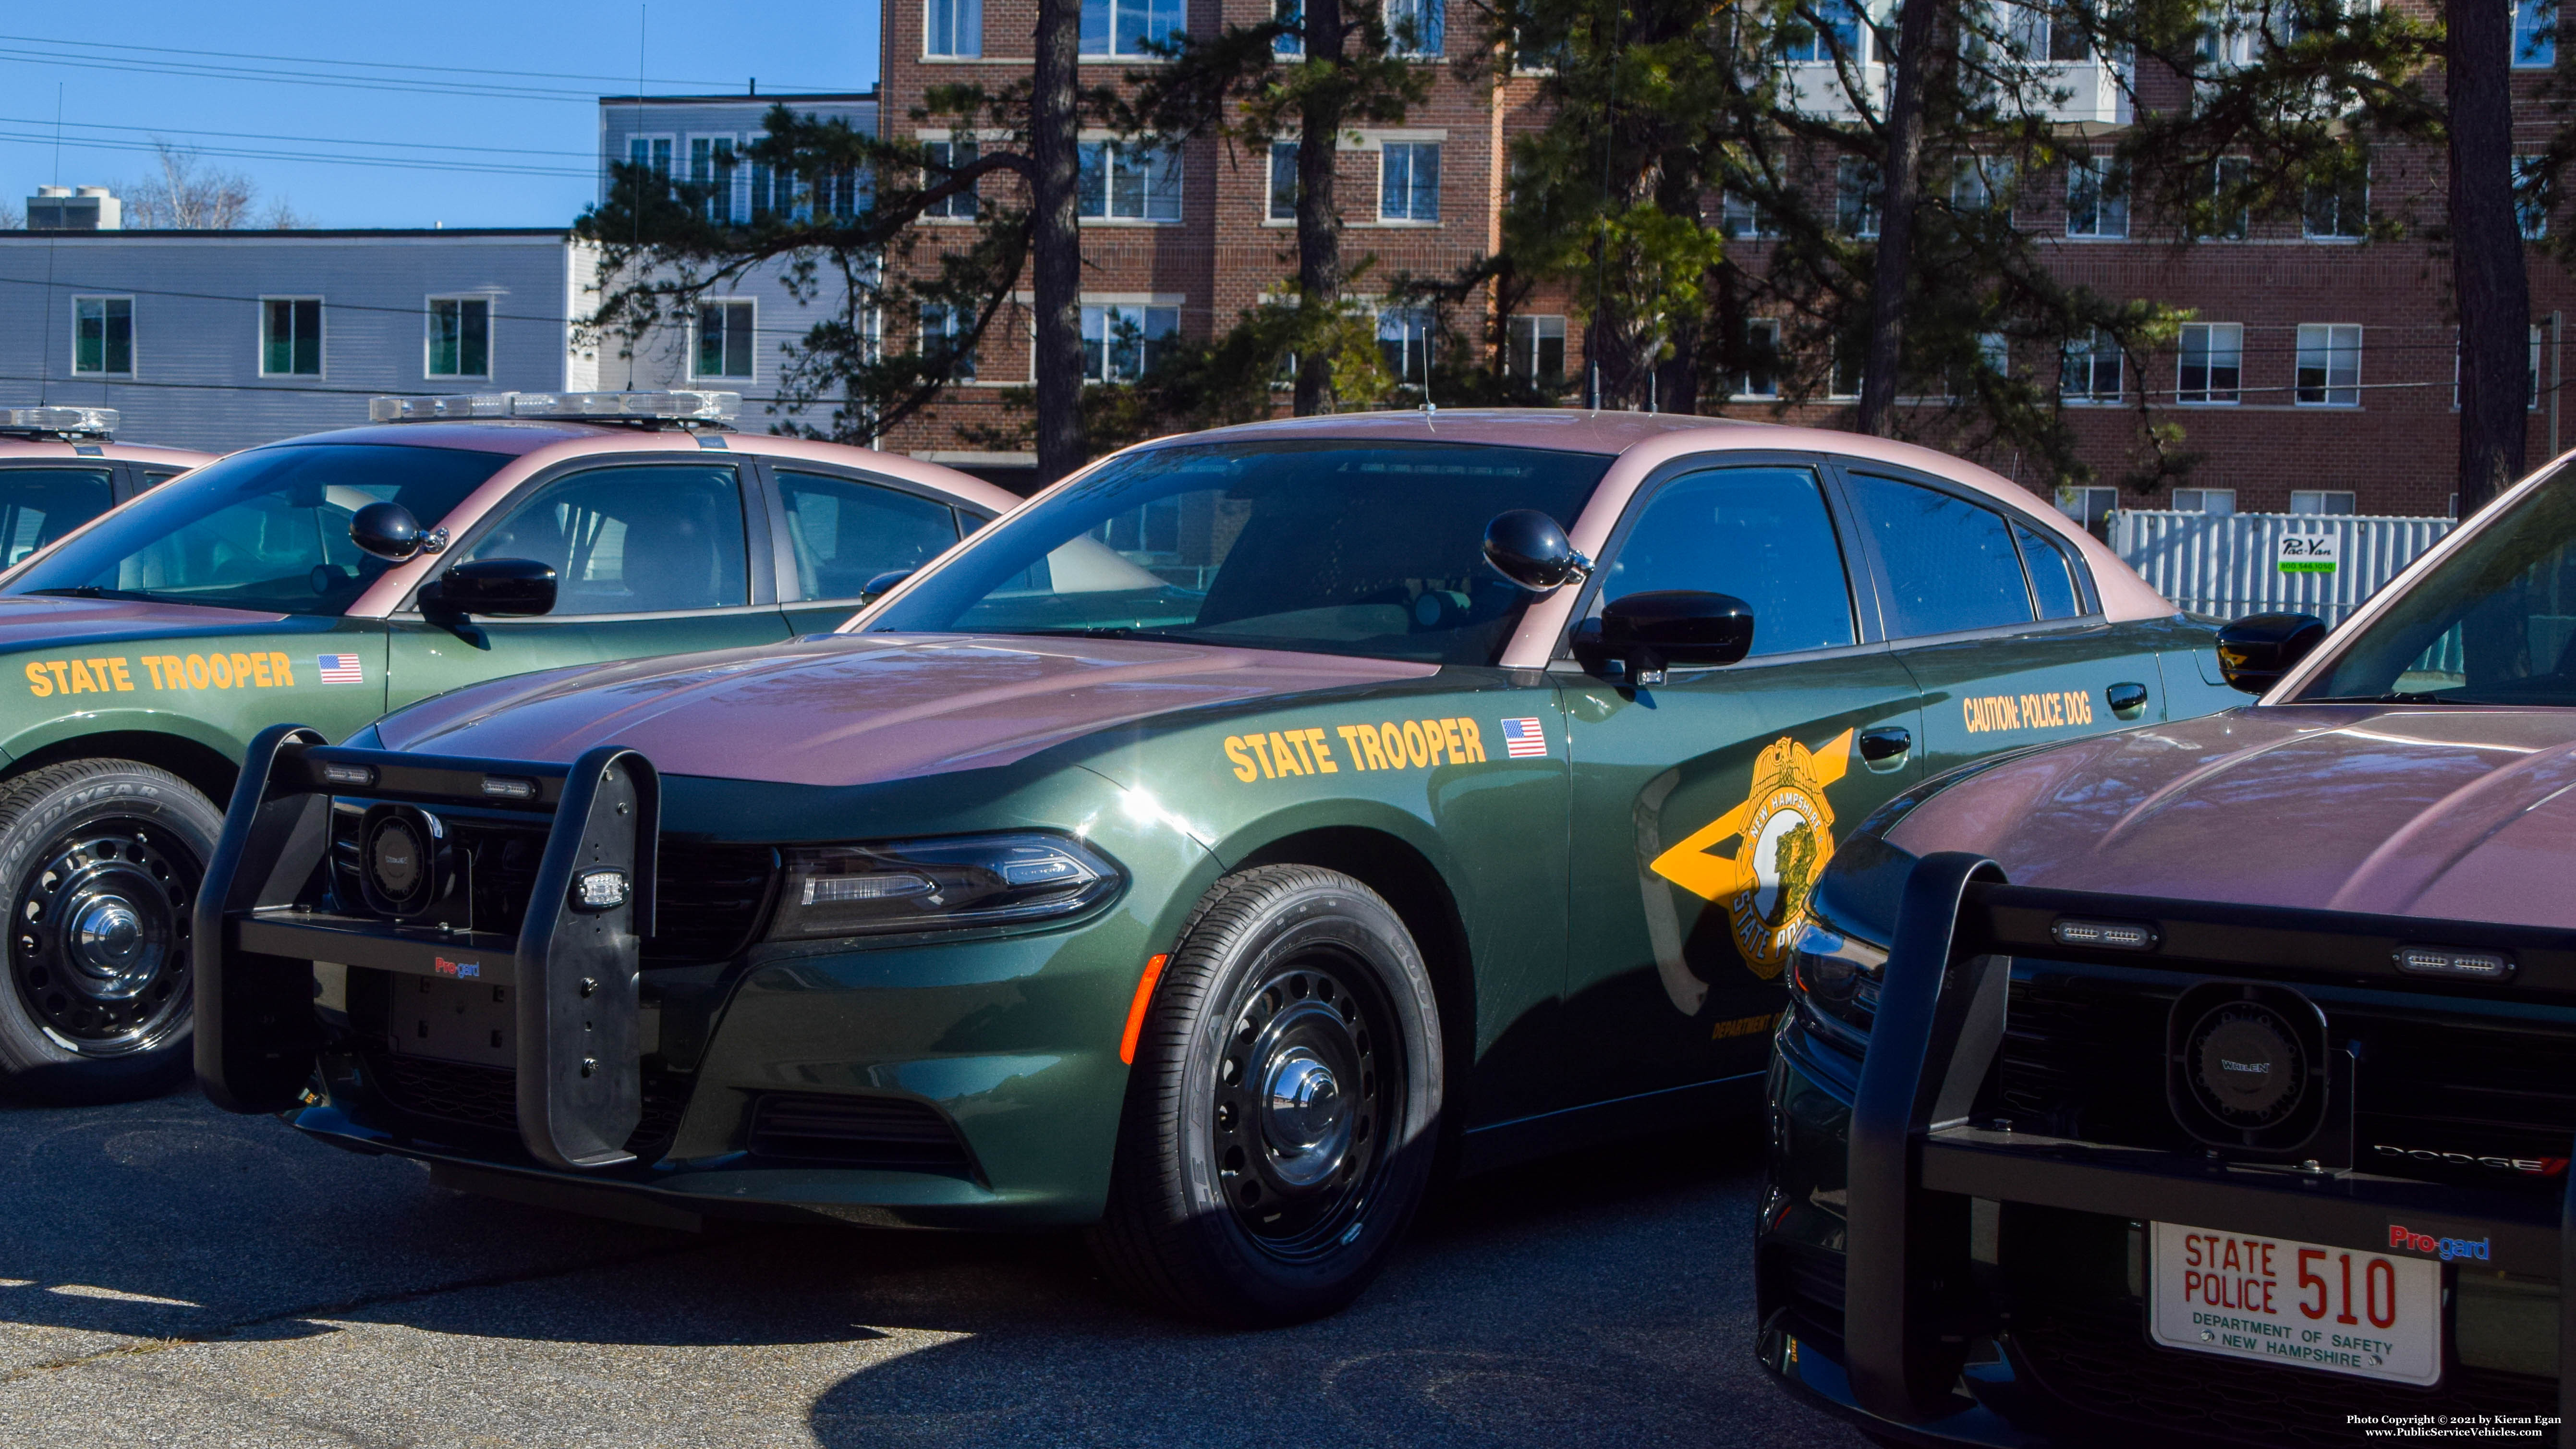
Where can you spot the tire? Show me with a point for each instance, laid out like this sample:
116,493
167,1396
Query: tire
101,1016
1251,1208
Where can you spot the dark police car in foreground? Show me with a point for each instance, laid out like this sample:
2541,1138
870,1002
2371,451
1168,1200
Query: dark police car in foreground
2217,1078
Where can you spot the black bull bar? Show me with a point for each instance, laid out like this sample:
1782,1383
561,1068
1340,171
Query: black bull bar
260,925
1916,1156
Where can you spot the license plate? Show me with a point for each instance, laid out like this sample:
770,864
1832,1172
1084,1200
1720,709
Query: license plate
2347,1311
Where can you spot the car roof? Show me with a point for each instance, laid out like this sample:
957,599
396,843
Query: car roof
16,449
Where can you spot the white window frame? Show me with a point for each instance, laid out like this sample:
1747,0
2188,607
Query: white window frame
1528,332
2094,350
1980,183
1412,159
2535,45
1430,40
133,339
2242,228
1407,321
1111,150
2345,232
750,305
2530,201
2109,189
322,345
2539,348
1814,51
429,334
2080,502
2197,500
1179,22
965,26
1858,189
1994,353
2317,500
1278,209
1290,44
1741,218
973,198
730,200
2329,342
954,323
1110,308
645,139
2217,339
1741,386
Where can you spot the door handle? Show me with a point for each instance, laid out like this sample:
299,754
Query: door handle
2128,701
1884,748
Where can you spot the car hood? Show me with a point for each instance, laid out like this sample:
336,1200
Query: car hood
45,621
853,709
2452,814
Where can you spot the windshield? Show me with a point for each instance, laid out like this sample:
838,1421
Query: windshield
1329,546
2495,623
265,530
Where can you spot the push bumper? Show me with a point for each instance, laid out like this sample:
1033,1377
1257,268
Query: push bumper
1920,1352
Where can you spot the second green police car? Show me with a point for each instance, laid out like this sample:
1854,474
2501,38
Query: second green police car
1195,854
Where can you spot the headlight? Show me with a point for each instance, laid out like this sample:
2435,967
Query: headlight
1834,978
929,885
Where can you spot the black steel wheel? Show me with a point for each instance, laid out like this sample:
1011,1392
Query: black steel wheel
101,860
1284,1105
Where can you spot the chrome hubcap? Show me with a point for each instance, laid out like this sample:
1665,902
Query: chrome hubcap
1302,1090
107,954
98,938
1303,1116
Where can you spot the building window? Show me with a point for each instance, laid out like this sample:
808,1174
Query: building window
650,152
1740,218
1290,42
2531,195
103,336
2090,370
725,331
2329,365
953,28
1994,353
1537,353
1981,183
1404,344
2338,206
2091,507
1759,379
1121,342
945,157
2053,32
2097,198
945,339
2212,369
1283,181
1413,27
1125,182
711,170
2538,336
1128,27
1829,32
460,337
2204,500
2230,218
1856,196
290,336
1408,181
2535,34
1842,384
2329,501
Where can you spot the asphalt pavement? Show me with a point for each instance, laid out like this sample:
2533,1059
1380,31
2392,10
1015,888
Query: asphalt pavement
172,1275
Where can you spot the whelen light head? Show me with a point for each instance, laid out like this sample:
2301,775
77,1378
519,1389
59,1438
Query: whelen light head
58,422
2105,935
687,407
2459,965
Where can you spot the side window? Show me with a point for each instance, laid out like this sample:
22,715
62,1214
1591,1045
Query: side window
634,540
39,505
1950,564
846,532
2052,574
1761,534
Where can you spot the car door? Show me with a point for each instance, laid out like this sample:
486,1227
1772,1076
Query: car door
650,558
838,530
43,501
1997,622
1704,807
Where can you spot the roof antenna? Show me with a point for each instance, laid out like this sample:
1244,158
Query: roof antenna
45,373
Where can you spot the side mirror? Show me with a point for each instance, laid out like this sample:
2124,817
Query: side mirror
1528,548
387,530
1652,631
882,585
495,587
2255,651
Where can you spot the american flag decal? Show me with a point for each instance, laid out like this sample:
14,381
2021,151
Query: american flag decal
340,669
1523,738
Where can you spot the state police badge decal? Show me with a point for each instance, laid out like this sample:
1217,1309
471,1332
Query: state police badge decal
1785,836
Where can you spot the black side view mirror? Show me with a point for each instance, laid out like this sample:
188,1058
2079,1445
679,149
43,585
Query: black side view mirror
2255,651
882,585
1664,628
387,530
495,587
1528,548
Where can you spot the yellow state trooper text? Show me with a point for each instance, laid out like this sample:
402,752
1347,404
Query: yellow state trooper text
113,674
1413,744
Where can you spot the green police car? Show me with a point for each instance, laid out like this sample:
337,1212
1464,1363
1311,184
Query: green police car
146,649
1195,855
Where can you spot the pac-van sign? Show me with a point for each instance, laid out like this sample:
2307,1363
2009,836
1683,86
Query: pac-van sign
2307,553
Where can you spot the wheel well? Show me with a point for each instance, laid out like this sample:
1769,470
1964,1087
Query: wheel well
208,770
1413,886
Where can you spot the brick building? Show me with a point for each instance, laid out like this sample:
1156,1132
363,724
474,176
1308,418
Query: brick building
2317,376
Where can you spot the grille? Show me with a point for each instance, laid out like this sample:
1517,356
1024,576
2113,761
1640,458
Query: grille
487,1098
2096,1357
887,1132
2084,1058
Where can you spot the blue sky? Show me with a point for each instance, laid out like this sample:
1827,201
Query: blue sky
535,146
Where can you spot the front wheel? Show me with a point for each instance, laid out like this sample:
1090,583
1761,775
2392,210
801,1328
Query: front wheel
1284,1107
101,860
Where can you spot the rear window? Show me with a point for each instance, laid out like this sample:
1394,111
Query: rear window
40,505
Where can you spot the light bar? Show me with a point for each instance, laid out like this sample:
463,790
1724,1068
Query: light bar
666,405
2470,965
96,421
2105,935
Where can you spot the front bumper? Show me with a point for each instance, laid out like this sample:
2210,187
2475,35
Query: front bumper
1942,1280
967,1079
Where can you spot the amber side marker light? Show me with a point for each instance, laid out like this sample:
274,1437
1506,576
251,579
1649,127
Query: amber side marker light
1136,1008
